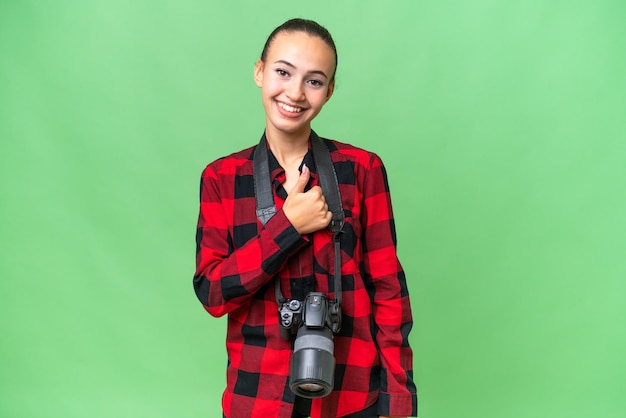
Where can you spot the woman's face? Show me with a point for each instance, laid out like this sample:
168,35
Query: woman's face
295,81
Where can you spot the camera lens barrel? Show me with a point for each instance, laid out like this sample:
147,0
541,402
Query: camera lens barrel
312,363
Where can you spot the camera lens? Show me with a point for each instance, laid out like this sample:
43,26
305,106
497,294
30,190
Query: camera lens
312,363
311,387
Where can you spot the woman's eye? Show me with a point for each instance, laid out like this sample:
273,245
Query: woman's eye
316,83
282,73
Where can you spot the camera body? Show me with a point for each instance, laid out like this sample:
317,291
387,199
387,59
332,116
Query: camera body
313,321
315,311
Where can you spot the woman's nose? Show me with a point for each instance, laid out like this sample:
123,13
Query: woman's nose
295,91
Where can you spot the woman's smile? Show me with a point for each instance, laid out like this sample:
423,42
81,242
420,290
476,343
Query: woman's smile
290,111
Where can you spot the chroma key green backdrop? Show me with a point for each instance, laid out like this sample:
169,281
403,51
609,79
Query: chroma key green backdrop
503,128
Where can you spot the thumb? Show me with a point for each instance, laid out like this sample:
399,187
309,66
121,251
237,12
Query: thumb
302,180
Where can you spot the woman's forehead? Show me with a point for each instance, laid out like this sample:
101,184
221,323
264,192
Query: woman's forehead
302,47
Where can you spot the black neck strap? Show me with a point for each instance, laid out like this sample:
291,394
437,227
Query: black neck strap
265,207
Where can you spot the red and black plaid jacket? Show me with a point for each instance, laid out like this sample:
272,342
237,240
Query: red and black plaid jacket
238,260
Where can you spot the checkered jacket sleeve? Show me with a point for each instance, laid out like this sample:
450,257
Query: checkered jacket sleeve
226,278
386,283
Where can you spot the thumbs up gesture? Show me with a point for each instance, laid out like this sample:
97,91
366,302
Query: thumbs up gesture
307,212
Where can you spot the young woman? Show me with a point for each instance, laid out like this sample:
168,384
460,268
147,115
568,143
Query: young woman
242,259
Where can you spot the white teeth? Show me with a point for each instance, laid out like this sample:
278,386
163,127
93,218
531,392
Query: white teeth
290,108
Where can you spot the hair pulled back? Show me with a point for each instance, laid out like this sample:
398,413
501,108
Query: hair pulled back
309,27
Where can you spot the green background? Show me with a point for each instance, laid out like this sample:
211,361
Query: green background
502,125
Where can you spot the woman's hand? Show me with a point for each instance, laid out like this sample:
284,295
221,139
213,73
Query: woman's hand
307,212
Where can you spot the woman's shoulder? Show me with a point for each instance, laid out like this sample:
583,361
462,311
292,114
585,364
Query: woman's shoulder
346,151
232,162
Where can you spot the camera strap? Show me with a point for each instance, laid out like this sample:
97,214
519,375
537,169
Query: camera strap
265,207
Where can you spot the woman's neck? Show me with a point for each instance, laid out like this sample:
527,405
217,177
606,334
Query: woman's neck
289,150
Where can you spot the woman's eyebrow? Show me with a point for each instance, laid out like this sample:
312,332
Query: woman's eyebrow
287,63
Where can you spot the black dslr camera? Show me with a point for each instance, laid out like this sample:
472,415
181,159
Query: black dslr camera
312,363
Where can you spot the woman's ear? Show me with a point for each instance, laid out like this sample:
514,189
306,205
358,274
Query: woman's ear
258,73
331,90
